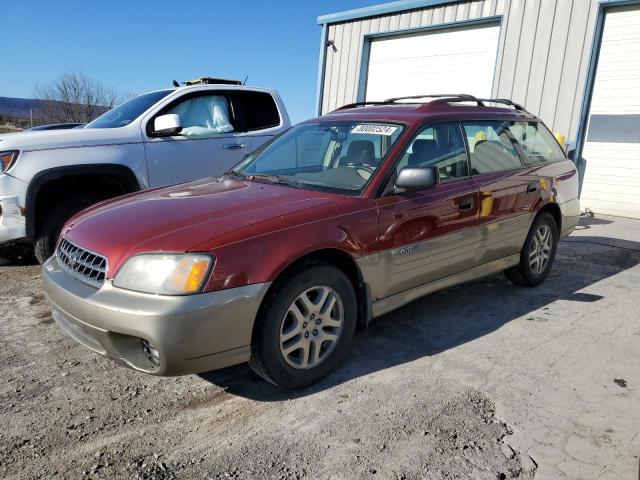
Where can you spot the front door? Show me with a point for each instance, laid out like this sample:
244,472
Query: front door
208,145
430,234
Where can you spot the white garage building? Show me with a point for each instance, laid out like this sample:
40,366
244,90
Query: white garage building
574,63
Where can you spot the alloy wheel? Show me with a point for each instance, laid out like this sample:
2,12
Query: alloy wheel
540,249
311,327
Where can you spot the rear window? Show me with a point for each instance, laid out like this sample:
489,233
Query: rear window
257,110
536,142
490,148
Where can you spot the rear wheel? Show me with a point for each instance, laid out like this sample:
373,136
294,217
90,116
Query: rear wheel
45,240
304,327
537,254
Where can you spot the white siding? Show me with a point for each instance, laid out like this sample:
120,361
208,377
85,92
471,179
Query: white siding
542,56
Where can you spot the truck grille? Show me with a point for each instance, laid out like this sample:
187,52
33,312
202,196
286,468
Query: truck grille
86,266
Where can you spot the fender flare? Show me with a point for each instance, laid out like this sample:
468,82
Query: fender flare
43,177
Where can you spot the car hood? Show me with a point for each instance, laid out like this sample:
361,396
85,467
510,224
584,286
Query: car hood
178,218
73,137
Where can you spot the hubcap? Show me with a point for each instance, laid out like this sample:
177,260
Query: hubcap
311,327
540,250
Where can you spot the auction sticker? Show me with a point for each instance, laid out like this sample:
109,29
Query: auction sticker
374,129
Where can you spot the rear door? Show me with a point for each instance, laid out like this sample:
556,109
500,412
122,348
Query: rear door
508,189
210,143
258,115
430,234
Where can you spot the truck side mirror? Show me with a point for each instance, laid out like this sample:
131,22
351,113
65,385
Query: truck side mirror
167,125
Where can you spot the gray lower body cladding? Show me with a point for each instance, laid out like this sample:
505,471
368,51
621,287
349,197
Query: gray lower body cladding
191,334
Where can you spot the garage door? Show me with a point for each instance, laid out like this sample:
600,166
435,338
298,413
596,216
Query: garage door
612,149
460,60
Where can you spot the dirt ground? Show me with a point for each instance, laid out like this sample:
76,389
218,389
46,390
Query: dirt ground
484,380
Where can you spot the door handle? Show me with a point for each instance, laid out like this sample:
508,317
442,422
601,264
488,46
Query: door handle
532,187
234,146
466,204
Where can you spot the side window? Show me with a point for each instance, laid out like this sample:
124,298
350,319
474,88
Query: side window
258,110
440,145
536,142
490,148
203,116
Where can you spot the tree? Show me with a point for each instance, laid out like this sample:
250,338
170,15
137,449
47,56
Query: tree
74,97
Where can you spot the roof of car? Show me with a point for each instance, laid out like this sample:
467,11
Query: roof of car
441,107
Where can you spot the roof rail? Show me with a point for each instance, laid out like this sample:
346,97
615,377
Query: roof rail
505,101
358,104
445,97
211,81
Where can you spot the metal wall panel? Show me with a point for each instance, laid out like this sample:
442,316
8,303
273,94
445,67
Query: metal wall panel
542,57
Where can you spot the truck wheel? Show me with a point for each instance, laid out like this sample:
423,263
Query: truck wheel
537,254
46,238
304,327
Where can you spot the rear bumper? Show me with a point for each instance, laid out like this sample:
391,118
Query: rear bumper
192,334
570,216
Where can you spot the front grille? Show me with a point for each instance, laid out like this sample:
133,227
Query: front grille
86,266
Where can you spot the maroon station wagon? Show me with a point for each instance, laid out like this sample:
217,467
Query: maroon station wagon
339,220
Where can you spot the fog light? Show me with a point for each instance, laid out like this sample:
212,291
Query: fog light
151,353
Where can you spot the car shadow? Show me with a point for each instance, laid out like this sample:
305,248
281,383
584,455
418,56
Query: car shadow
449,318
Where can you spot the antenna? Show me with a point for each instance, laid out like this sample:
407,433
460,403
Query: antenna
245,80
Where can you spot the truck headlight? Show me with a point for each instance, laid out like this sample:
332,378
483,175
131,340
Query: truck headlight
7,159
165,274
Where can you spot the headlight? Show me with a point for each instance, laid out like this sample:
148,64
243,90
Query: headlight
7,159
165,274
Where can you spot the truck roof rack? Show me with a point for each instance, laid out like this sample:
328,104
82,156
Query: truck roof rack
505,101
211,81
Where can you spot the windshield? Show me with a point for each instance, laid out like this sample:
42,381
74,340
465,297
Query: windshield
334,155
127,112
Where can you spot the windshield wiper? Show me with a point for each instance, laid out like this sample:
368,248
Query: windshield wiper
276,179
235,173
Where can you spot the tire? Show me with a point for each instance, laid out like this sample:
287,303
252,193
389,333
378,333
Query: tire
283,314
46,238
535,261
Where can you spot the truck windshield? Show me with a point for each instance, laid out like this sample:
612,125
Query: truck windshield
338,156
127,112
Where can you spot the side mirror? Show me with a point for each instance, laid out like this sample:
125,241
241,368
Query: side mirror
167,125
417,178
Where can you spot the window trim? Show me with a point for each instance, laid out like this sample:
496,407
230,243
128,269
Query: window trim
514,144
200,93
387,189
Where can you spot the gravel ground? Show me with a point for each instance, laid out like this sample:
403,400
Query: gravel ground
394,410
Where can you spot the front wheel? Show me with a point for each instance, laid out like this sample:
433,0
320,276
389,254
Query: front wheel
44,243
304,327
537,254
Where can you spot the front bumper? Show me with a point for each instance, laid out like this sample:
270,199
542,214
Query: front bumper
12,222
194,333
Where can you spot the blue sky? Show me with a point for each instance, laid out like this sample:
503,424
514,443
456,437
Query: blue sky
136,46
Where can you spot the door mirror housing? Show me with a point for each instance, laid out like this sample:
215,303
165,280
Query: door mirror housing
416,178
167,125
